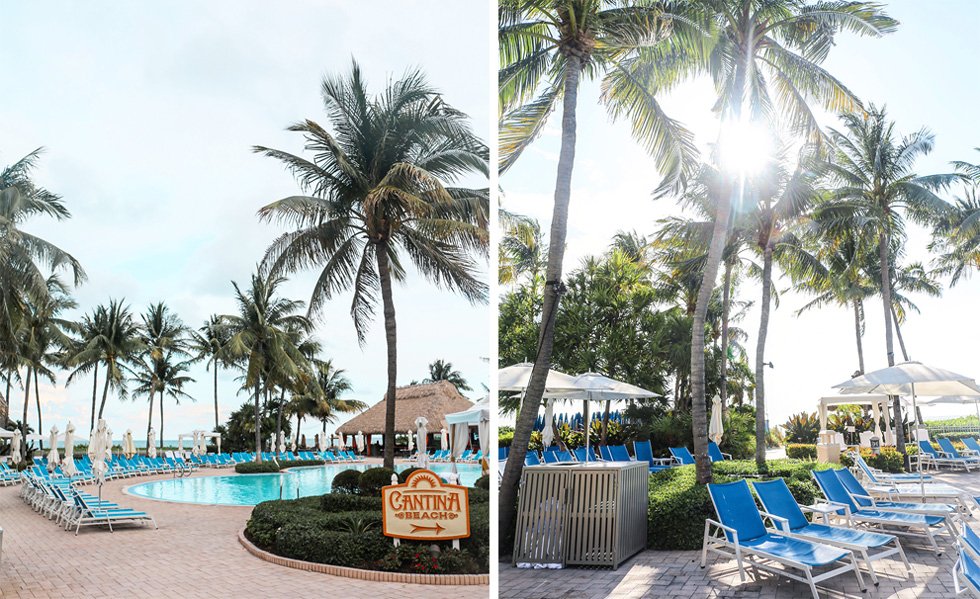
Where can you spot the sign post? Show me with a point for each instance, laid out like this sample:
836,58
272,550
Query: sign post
424,508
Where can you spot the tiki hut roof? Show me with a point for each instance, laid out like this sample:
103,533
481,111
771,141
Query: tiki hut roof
433,400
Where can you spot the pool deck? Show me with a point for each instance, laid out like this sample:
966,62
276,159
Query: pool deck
677,575
195,553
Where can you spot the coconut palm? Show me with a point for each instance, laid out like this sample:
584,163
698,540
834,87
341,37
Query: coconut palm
88,331
169,377
956,236
875,189
377,191
163,334
262,336
333,383
443,371
210,343
546,48
521,253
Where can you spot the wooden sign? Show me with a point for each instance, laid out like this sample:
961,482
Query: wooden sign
425,509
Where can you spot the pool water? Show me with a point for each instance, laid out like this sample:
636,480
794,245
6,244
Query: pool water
250,489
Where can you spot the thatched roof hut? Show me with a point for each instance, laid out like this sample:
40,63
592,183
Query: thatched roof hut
433,400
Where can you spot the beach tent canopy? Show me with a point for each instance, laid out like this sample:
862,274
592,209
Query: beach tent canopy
471,416
431,400
517,377
878,403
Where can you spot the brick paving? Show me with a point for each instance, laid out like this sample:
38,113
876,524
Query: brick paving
677,574
195,553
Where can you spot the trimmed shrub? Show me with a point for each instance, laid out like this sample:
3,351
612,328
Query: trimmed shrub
345,502
403,475
801,451
483,482
283,464
256,467
372,479
312,543
346,482
505,436
478,495
888,459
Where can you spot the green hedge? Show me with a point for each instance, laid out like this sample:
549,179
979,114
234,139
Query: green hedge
256,467
483,482
346,481
888,459
372,479
283,464
678,506
345,530
801,451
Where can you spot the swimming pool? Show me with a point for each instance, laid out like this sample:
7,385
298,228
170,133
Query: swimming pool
250,489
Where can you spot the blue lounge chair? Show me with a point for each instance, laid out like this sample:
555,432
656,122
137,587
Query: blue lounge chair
682,455
966,571
781,506
932,457
644,453
951,451
605,453
715,453
89,515
883,478
503,452
619,453
740,533
581,456
912,525
972,447
532,459
862,498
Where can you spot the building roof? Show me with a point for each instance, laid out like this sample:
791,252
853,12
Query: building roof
431,400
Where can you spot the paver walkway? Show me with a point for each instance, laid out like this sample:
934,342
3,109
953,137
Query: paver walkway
195,553
677,574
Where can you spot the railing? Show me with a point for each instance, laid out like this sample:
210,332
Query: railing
967,429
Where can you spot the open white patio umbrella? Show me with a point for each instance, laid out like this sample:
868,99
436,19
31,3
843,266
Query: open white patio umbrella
911,378
68,463
359,442
129,448
955,400
53,458
716,429
592,386
411,442
99,448
517,377
443,439
423,458
151,444
15,447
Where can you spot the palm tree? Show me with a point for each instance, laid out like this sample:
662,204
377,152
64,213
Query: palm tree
333,382
521,252
88,332
443,371
875,189
546,47
168,375
210,343
262,336
376,190
162,336
956,236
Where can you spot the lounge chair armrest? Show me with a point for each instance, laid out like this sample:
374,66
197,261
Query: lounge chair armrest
708,523
783,523
727,456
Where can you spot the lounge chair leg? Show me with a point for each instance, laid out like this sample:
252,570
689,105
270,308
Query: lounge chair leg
738,560
704,546
932,541
813,586
905,560
857,572
871,568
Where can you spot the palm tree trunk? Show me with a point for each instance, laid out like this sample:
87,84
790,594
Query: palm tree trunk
857,335
149,420
604,433
886,300
27,403
549,310
726,301
217,423
95,387
105,394
258,425
37,401
760,358
384,273
898,333
161,420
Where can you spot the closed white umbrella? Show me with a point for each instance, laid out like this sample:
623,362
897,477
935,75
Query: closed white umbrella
108,443
548,431
321,443
411,442
716,429
443,439
359,442
911,378
151,444
196,443
68,463
293,444
129,448
15,447
53,458
282,442
98,450
422,438
340,442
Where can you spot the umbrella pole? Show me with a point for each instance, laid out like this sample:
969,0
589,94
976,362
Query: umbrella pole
588,428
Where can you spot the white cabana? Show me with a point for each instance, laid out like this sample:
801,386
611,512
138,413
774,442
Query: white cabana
151,443
53,458
716,428
911,378
879,404
68,463
5,434
460,423
423,458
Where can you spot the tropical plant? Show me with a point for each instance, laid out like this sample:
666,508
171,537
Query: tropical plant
264,335
802,428
377,189
210,343
443,371
874,189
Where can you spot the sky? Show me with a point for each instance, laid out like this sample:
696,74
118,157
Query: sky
922,73
148,113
